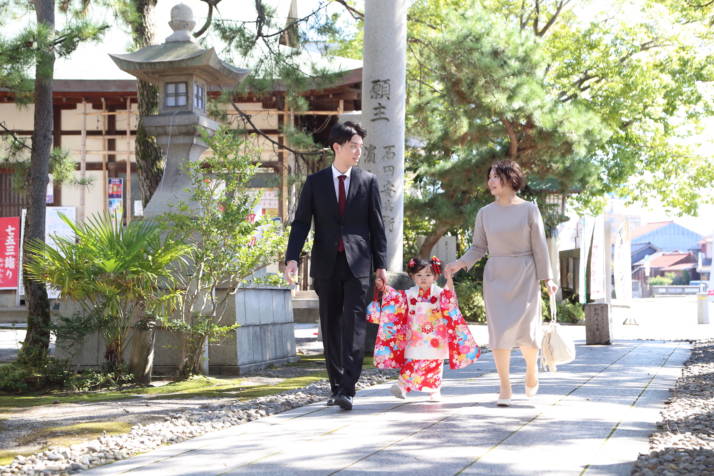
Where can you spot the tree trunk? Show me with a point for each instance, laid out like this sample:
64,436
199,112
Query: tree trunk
148,153
431,240
37,340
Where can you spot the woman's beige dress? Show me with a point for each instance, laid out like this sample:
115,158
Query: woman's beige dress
514,239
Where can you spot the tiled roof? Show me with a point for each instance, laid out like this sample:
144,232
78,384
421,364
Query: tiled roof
680,267
666,260
644,229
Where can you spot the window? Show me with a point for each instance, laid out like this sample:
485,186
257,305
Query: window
199,101
176,94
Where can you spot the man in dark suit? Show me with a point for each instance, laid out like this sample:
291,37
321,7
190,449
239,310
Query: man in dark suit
344,203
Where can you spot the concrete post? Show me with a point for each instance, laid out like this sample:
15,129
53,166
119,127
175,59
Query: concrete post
702,308
383,103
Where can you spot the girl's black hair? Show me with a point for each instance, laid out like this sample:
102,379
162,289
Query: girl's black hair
417,264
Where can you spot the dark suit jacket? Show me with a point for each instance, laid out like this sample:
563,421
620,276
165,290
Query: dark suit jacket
361,228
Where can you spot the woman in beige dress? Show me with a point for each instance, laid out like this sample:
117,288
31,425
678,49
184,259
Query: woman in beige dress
510,231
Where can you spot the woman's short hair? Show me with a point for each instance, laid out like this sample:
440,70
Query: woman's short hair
509,172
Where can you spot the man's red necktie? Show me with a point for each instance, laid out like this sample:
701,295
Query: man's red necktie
341,204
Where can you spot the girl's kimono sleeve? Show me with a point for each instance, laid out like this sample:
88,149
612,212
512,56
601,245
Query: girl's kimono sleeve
463,350
391,340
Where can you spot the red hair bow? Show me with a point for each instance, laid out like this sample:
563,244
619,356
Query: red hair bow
436,265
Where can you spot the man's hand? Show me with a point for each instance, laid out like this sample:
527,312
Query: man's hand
291,271
451,269
380,273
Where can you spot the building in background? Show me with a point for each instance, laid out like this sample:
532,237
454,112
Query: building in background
667,236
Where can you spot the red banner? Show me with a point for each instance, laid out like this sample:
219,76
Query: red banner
9,252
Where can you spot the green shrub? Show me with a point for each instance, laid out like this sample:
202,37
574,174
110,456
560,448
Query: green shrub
660,281
470,295
97,379
19,378
572,312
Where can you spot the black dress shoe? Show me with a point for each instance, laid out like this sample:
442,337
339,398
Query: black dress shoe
331,400
344,401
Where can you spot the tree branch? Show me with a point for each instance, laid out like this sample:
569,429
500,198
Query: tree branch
356,14
211,5
537,17
580,84
246,117
552,19
14,137
513,146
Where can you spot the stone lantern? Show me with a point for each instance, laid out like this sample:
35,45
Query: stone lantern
183,72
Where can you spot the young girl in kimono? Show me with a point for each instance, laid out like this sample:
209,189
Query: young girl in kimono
418,329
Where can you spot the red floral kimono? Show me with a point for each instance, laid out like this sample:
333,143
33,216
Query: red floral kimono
418,329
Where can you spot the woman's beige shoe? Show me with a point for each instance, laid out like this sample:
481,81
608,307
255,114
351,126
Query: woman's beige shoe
503,402
532,391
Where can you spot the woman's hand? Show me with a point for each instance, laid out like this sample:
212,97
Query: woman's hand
551,287
451,269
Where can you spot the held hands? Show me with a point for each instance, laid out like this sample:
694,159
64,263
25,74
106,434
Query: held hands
451,269
290,271
449,282
380,274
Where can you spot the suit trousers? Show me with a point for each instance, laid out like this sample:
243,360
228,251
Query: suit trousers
343,299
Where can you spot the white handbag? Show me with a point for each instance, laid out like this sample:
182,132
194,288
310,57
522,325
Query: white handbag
557,348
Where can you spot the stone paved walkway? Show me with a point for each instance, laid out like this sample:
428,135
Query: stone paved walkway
592,417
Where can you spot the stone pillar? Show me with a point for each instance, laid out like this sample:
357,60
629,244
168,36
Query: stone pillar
597,324
178,136
383,103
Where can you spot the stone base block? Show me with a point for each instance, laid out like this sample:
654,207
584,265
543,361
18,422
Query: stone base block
597,324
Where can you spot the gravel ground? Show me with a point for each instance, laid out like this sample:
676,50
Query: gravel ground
173,428
684,440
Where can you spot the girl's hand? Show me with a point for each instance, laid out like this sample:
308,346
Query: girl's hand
449,283
379,284
451,268
551,287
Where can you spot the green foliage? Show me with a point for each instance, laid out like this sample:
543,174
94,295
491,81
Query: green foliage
19,54
660,280
681,278
88,380
275,51
271,279
572,312
20,378
589,105
118,275
229,242
14,155
470,296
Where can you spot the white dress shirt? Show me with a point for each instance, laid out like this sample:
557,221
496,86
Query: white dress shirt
336,173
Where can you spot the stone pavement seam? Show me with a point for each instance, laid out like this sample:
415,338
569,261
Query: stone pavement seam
557,402
383,448
634,403
324,433
497,444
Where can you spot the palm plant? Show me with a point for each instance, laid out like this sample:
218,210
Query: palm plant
117,274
